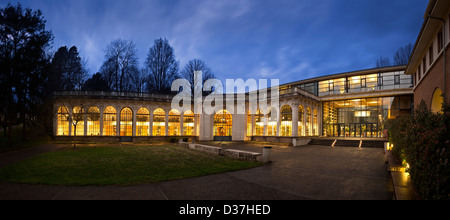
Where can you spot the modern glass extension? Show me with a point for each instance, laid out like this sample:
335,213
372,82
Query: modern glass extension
366,117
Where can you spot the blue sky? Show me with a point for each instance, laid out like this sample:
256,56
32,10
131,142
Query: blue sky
288,40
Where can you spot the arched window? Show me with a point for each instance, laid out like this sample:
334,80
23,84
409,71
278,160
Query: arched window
62,121
78,120
249,124
223,122
159,122
315,124
259,123
126,122
109,121
286,121
301,115
272,122
436,102
142,122
93,121
174,122
188,123
308,122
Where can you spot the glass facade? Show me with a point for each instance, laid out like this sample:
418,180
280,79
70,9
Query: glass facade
367,117
360,83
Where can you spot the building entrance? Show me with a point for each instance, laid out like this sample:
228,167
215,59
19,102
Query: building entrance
223,122
356,130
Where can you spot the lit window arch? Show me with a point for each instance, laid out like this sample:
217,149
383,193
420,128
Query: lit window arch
142,122
188,123
174,122
301,115
126,122
223,123
286,121
308,122
437,101
93,121
315,123
63,122
272,121
109,121
159,122
259,123
78,120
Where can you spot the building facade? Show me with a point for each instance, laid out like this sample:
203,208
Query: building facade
355,104
429,62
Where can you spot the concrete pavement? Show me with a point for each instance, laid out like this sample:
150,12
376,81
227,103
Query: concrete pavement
297,173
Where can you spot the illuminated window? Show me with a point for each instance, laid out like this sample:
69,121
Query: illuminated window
63,122
93,121
308,122
174,123
286,121
159,122
272,122
315,124
78,120
188,123
223,122
259,123
249,123
109,121
301,115
126,122
142,122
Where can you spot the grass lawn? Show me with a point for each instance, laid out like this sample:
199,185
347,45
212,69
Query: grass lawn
118,166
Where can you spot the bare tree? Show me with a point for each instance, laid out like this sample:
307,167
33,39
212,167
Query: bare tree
402,55
383,62
162,66
191,67
121,60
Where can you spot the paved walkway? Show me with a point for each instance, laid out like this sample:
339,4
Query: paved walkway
297,173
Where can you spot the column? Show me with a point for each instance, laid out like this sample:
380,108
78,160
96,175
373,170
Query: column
134,111
166,120
117,121
294,120
151,121
181,123
85,120
101,120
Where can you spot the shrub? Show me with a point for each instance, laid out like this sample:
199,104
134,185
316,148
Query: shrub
423,141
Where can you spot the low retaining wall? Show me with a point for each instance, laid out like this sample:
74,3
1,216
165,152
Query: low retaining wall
232,153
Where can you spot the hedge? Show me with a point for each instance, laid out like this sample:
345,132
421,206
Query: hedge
422,141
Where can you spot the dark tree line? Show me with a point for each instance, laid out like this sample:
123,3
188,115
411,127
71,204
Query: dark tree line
23,65
30,73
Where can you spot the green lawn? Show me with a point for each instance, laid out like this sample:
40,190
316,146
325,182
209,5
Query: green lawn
118,166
